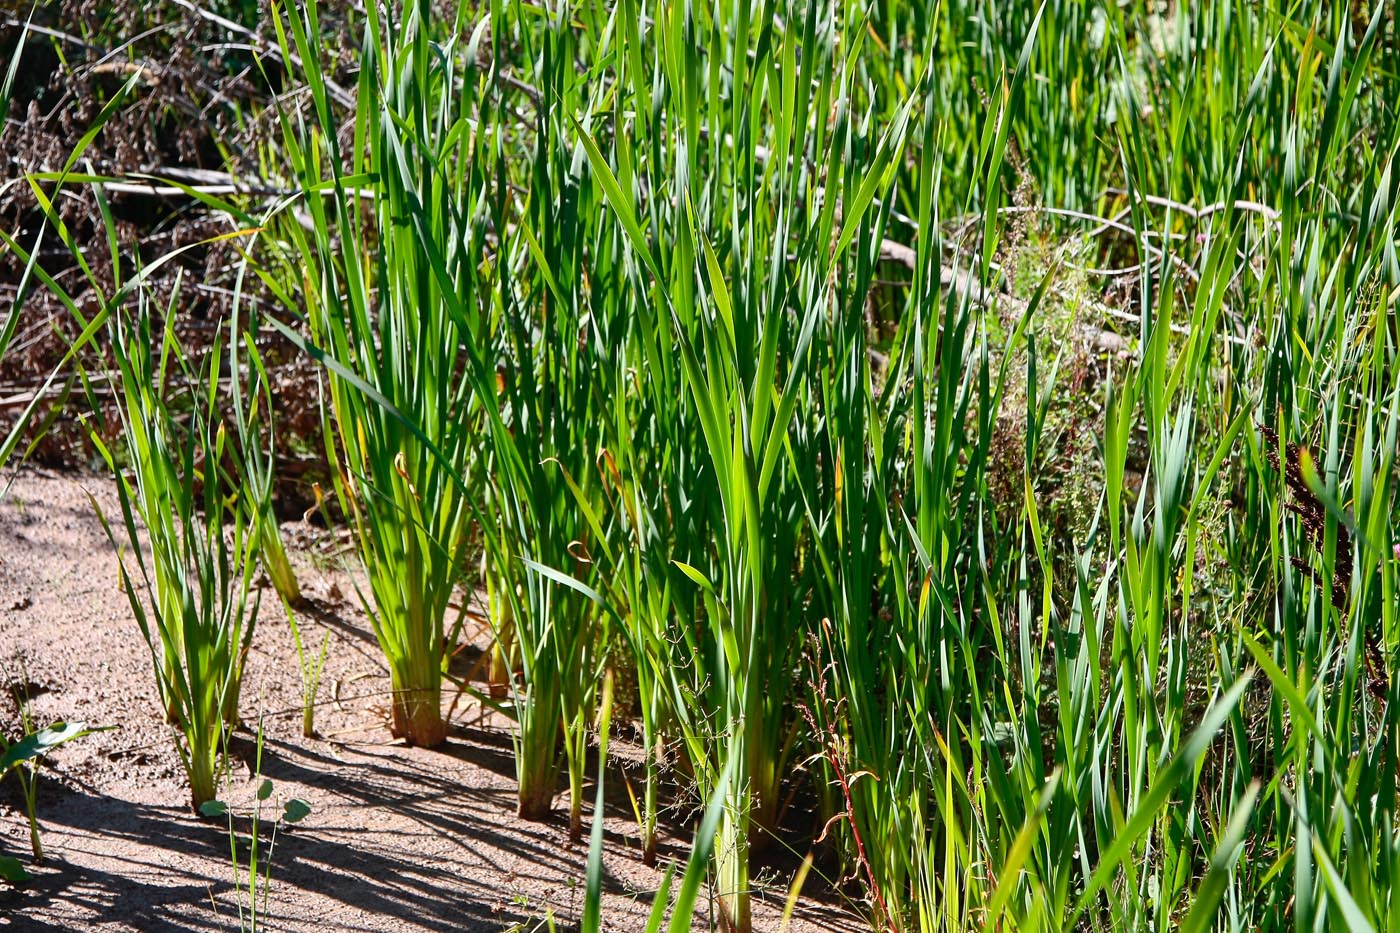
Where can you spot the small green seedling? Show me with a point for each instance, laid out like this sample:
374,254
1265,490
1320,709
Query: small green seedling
23,756
246,875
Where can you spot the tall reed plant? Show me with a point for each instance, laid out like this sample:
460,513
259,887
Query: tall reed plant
193,539
545,543
758,261
391,255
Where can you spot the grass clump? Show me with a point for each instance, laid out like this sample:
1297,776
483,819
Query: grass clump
194,541
384,302
1065,561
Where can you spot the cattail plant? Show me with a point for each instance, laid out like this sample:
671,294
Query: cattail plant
193,539
545,490
993,406
742,328
390,305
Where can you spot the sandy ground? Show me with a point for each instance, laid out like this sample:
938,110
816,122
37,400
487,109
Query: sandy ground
399,838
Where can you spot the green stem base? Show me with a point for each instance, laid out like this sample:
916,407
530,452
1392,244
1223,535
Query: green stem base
417,717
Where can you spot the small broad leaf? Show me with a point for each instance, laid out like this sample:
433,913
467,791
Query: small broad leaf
265,791
213,808
13,871
295,810
39,743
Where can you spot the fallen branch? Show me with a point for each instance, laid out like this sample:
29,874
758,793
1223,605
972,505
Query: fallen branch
1197,213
